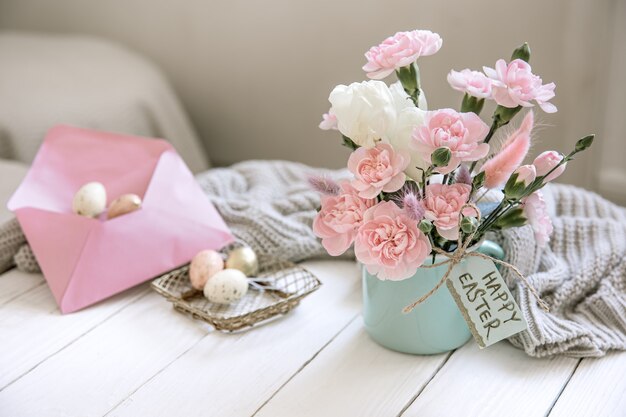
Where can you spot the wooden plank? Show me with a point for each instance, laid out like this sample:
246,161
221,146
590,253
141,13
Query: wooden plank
98,370
597,388
234,374
14,283
354,376
32,327
497,381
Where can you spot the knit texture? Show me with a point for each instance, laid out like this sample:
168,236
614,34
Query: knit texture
11,240
581,275
269,205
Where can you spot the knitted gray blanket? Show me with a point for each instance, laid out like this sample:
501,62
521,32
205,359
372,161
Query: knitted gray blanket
582,275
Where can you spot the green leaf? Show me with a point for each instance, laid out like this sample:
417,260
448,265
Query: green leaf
479,180
512,218
349,143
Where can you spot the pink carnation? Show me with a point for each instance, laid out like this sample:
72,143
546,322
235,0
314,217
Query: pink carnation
463,133
400,50
389,243
329,121
443,207
474,83
536,213
515,85
377,169
339,218
545,162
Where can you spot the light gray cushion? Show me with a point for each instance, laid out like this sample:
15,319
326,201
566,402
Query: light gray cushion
49,79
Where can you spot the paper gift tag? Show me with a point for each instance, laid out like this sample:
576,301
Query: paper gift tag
485,301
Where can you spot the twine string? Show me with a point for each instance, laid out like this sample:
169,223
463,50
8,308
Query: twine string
454,258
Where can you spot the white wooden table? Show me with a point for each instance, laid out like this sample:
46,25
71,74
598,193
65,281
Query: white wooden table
133,355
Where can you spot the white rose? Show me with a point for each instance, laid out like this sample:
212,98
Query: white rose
365,111
408,117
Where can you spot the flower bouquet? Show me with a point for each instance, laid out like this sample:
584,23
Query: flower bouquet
428,185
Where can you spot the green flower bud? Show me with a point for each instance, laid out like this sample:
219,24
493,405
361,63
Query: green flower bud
468,224
584,143
425,226
441,156
522,52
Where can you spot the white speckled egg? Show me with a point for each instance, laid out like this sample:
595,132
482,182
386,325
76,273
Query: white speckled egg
90,200
226,286
243,259
124,204
203,266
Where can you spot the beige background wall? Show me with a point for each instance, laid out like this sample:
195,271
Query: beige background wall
255,76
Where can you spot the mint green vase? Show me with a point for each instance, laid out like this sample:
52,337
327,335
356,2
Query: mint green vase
434,326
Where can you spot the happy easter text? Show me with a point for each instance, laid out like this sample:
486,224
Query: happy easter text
490,299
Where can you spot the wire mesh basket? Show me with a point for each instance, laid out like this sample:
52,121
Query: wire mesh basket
287,284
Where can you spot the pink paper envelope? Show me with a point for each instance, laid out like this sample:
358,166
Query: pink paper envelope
86,260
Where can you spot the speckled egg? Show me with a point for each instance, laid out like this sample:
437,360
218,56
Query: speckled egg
124,204
243,259
203,266
90,200
226,286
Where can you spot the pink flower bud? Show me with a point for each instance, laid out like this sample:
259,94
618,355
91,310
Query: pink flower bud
526,174
545,162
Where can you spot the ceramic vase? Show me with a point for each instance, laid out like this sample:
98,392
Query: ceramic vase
434,326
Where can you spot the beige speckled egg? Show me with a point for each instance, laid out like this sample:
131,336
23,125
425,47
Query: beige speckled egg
203,266
90,200
124,204
226,286
243,259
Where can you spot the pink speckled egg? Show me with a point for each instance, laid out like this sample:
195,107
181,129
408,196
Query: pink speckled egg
203,266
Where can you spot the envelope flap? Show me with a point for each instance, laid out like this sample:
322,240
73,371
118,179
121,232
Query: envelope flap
70,157
174,190
69,235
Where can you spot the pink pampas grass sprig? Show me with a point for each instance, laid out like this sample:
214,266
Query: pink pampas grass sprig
408,199
463,175
499,168
324,185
